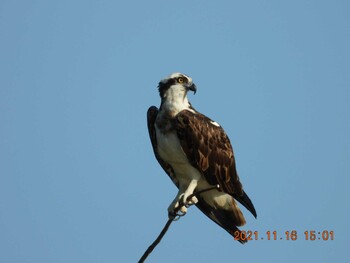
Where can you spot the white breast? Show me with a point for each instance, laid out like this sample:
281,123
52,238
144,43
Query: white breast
170,150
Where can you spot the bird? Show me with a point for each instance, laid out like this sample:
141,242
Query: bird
197,155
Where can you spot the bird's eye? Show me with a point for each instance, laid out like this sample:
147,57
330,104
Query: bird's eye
180,80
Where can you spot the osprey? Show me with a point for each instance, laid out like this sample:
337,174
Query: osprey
196,154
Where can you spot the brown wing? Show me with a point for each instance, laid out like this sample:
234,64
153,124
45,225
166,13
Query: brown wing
209,148
151,118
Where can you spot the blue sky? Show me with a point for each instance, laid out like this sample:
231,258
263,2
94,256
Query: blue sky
78,179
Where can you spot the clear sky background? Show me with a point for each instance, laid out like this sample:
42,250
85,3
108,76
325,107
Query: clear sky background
78,179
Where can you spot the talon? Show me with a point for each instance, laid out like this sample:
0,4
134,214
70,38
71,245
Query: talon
183,209
193,200
176,215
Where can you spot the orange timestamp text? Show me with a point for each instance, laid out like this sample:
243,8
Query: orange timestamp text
292,235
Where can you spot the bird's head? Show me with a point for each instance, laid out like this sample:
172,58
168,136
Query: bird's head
176,86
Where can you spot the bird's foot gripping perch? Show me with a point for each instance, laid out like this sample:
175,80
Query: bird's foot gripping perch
180,204
178,207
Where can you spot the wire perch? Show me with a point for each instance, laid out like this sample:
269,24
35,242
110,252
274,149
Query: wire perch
176,216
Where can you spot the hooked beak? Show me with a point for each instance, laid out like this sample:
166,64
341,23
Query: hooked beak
192,87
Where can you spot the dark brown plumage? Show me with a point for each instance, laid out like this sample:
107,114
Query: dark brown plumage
210,149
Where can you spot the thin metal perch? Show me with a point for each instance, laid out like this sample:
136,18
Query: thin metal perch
176,216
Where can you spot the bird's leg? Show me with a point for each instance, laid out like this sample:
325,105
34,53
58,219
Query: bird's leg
180,202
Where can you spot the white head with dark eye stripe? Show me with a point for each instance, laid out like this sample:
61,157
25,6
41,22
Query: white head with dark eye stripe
173,91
